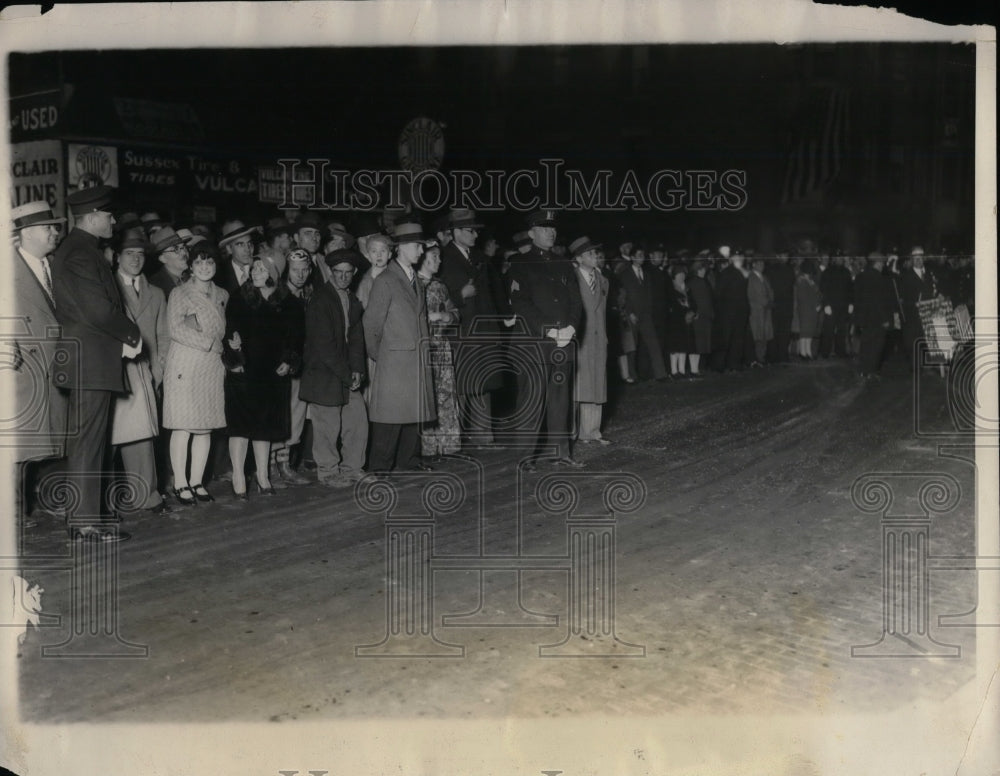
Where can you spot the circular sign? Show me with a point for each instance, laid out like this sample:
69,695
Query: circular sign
92,163
421,145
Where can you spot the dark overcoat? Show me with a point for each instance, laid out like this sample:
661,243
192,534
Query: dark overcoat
333,349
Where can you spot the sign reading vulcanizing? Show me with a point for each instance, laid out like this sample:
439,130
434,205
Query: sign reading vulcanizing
36,173
421,145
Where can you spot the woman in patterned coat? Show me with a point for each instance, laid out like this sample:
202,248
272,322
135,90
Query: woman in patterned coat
193,397
444,435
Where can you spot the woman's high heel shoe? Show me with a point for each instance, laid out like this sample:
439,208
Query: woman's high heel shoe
200,493
262,490
240,496
186,500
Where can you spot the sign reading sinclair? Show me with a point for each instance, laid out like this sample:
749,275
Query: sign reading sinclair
36,173
421,145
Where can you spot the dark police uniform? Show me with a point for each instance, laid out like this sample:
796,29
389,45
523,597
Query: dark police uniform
94,326
545,294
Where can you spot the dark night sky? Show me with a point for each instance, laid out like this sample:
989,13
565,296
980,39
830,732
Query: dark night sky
667,106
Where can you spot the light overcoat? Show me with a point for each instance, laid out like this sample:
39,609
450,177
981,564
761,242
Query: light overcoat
591,384
397,338
134,416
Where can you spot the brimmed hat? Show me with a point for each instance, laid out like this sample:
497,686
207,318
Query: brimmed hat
279,225
541,218
366,225
91,200
151,220
343,256
442,223
581,245
165,238
463,218
190,238
233,230
336,228
308,220
126,221
34,214
408,232
521,239
135,241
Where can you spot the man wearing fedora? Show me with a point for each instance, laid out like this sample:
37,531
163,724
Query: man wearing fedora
308,236
135,421
339,238
40,408
545,294
237,243
169,247
90,310
277,244
590,389
397,338
469,277
333,371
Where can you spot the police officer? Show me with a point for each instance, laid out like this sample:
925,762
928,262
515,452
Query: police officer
90,310
545,295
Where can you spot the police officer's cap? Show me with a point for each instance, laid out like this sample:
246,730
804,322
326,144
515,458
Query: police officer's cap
90,200
542,218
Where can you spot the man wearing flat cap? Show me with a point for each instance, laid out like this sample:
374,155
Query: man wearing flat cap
93,318
39,406
472,285
333,371
545,294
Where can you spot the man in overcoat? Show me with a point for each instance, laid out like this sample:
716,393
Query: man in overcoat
916,284
590,389
39,406
94,322
333,371
397,339
135,418
471,282
732,313
835,286
637,286
874,300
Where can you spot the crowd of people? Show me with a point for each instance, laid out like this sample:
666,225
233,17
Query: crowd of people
387,346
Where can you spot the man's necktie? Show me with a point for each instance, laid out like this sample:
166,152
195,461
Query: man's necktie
135,286
48,280
639,273
592,281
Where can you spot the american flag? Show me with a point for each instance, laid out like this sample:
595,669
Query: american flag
819,143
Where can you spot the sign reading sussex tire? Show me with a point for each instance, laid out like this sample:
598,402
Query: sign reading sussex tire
36,173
